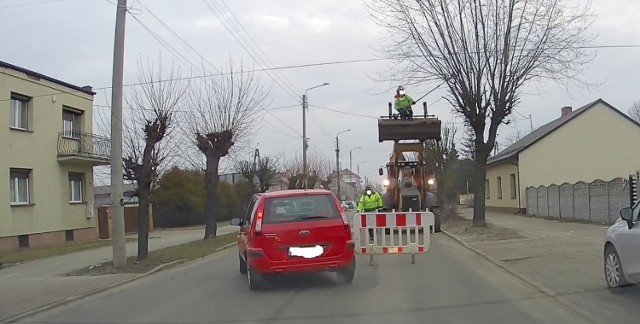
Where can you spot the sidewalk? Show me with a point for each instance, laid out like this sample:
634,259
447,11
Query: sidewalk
558,257
40,282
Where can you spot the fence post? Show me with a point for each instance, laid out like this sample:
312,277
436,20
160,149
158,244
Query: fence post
548,208
606,185
573,201
559,203
589,200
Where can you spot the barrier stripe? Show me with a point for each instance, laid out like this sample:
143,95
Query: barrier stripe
418,219
401,220
363,220
381,220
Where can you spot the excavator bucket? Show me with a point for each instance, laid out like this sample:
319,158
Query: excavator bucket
417,129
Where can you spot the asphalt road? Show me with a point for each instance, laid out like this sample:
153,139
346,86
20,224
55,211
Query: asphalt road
450,284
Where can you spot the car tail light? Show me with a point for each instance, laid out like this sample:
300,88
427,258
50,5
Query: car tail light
345,220
259,216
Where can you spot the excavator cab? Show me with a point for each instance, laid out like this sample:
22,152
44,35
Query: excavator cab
420,127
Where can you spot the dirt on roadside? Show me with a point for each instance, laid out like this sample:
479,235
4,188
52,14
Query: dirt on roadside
462,227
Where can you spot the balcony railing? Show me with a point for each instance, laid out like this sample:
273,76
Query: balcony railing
84,145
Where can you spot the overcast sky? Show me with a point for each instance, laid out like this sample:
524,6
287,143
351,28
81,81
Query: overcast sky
72,40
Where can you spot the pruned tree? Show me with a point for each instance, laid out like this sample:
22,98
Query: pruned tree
267,169
153,101
485,52
225,110
440,156
515,136
319,171
248,171
634,111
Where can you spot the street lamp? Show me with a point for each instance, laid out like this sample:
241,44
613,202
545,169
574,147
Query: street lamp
338,160
351,157
304,131
358,167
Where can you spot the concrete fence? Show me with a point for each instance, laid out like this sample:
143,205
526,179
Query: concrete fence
598,201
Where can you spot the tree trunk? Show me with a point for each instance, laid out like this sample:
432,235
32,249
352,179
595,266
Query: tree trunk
143,221
479,177
211,184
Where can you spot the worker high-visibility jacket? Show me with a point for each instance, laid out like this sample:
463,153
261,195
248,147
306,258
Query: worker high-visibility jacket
370,203
403,102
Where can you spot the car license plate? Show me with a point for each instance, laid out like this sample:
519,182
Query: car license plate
306,252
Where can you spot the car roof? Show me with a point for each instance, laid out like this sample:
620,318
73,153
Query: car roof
295,192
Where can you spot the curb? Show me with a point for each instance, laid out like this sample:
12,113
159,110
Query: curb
518,274
52,305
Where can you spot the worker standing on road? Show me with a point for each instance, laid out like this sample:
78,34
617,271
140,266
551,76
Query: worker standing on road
403,104
370,201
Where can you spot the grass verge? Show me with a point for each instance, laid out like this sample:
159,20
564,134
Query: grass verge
30,254
184,252
463,228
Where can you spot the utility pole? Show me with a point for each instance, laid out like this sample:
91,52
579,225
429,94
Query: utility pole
304,139
351,157
531,122
338,160
117,178
305,145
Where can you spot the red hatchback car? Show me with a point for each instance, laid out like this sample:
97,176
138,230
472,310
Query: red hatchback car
295,231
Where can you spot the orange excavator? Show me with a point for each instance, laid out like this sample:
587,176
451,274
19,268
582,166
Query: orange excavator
408,176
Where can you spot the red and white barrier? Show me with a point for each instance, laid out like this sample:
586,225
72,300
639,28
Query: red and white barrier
392,233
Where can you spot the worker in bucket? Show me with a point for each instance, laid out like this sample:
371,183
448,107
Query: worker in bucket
370,201
403,104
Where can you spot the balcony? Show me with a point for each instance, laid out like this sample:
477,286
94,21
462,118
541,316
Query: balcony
79,147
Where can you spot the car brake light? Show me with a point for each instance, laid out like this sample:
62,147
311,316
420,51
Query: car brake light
345,221
259,216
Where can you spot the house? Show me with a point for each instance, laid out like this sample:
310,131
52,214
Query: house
594,142
350,184
49,153
102,195
102,201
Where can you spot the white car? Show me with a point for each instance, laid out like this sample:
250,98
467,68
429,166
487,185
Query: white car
622,249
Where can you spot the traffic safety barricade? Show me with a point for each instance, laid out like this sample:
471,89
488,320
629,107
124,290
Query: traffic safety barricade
392,233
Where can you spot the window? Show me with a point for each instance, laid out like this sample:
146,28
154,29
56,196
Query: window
19,186
514,188
71,123
300,208
19,112
499,187
75,187
487,190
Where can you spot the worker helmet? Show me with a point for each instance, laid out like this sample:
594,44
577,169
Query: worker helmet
400,91
368,187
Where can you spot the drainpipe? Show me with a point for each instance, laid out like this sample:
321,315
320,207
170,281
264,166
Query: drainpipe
518,192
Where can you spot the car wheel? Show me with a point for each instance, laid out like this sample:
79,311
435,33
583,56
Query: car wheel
346,274
613,273
243,264
254,278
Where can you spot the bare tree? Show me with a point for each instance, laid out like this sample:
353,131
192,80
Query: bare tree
515,136
634,111
319,171
153,101
248,171
485,52
440,155
225,111
266,169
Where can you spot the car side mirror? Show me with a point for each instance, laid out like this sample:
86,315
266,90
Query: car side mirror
236,222
626,214
380,171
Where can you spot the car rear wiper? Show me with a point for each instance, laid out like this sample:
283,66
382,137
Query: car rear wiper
312,217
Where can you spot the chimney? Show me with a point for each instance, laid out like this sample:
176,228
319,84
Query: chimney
565,111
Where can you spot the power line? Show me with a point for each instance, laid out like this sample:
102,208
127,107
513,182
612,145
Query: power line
30,3
232,29
284,67
191,111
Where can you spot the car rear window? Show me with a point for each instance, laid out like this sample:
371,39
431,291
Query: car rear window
300,208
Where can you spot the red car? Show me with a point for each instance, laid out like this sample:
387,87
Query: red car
295,231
